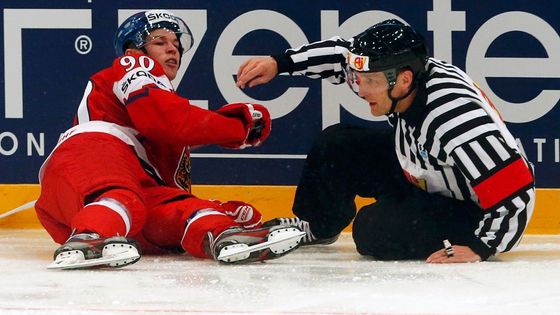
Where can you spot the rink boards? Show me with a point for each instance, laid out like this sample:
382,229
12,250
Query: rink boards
272,201
48,49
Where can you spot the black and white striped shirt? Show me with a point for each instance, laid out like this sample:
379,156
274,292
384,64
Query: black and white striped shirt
451,141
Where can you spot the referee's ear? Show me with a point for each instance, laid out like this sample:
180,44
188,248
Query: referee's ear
405,78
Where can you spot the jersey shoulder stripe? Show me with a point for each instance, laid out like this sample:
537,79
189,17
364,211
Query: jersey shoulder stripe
134,72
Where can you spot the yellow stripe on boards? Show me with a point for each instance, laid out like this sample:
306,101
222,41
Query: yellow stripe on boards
272,201
13,196
546,217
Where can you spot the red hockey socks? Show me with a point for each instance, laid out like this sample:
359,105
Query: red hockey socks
115,212
199,225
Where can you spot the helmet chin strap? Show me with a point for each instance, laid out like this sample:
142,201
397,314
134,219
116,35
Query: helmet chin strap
395,100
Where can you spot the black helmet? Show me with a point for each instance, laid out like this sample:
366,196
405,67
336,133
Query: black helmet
388,47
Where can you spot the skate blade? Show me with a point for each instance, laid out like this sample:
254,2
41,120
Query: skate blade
279,241
111,258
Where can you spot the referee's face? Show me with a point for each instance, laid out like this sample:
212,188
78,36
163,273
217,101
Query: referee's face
373,88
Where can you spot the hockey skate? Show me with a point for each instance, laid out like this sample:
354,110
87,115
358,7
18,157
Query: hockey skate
88,250
309,238
238,245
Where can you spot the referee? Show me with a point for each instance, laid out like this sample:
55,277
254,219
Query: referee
447,172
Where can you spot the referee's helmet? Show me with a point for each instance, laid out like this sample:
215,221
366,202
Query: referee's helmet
387,47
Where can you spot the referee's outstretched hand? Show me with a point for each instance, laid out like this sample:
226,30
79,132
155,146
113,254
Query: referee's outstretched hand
462,254
255,71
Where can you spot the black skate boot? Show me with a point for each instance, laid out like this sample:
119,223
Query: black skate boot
86,250
239,245
309,238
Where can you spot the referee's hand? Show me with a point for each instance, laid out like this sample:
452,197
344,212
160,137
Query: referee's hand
461,254
255,71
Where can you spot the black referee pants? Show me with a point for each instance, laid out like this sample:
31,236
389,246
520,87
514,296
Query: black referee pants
405,222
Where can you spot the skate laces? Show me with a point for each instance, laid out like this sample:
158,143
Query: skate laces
302,225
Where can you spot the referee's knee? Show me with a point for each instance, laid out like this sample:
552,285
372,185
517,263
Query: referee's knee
328,143
330,135
365,231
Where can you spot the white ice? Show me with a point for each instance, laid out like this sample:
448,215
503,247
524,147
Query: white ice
330,279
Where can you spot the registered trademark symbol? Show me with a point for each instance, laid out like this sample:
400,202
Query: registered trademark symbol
83,44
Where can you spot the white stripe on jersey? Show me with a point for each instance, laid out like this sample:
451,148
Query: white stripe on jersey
498,146
452,123
490,235
444,92
469,135
453,186
448,79
83,112
513,224
484,157
473,171
317,52
304,56
435,113
407,146
135,80
530,207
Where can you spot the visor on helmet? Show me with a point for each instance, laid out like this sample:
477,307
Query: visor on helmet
160,19
136,29
373,82
358,75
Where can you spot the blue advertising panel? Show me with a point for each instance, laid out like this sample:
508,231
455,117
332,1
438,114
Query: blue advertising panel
49,49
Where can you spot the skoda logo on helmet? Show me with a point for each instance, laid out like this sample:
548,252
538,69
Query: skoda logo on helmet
155,16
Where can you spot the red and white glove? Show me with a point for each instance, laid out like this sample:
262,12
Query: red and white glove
243,213
256,119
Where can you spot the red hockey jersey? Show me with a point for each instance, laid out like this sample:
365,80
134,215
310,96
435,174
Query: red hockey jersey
135,93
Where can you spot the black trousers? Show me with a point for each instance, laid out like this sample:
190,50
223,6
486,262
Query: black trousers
405,222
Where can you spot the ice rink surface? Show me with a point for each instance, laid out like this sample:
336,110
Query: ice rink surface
313,280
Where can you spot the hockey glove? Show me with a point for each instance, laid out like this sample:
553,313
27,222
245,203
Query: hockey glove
256,119
243,213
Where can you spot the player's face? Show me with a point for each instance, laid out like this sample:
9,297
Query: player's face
163,46
373,88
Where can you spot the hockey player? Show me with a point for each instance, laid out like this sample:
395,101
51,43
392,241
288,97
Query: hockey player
457,178
120,179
